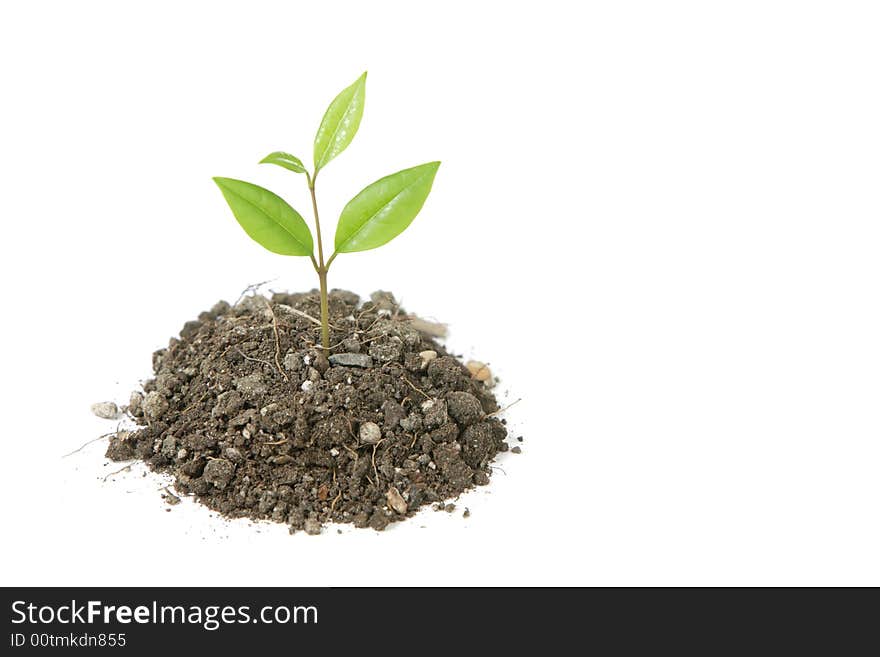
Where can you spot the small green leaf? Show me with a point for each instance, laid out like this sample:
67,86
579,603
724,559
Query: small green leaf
267,217
340,122
286,160
383,210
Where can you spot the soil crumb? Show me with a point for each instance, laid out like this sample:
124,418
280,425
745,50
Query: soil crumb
252,419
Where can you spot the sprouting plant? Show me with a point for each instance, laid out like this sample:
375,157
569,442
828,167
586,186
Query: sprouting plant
375,216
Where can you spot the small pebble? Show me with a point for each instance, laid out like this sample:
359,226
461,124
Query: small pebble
516,450
106,410
352,360
427,357
396,501
479,371
155,405
135,403
312,527
370,433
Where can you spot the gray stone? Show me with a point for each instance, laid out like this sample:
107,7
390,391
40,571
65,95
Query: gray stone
106,410
351,360
370,433
136,403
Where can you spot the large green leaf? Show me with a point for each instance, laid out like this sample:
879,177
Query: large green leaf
267,217
383,210
340,122
285,160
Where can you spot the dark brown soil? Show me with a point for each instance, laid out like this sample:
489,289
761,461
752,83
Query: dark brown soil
251,418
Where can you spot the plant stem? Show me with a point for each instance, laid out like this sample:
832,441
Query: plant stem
325,321
321,268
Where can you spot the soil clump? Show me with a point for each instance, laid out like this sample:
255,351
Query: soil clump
249,415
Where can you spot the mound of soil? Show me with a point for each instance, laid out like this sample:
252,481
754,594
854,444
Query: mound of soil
250,417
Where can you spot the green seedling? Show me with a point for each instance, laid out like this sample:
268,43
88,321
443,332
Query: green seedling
375,216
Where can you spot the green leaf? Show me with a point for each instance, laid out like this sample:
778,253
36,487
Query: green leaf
286,160
267,217
340,122
383,210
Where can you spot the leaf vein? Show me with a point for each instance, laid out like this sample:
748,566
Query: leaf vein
348,109
271,218
382,207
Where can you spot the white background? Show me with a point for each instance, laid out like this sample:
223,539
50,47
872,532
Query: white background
658,222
